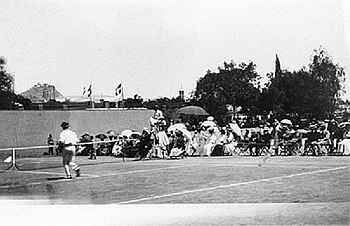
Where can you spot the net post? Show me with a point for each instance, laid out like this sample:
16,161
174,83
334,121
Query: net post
13,156
13,161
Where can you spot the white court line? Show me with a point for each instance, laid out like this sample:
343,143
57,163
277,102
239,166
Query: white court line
273,165
91,176
269,165
230,185
50,173
143,171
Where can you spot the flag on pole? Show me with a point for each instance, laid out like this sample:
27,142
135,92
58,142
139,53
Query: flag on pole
118,90
8,159
84,91
89,91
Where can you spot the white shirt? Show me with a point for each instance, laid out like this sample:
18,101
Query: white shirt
158,114
67,136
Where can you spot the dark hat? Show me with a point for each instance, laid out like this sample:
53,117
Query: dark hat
64,124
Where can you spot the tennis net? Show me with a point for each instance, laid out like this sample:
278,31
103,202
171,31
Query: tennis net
41,157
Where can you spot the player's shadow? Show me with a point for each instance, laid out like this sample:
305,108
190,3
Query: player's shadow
55,178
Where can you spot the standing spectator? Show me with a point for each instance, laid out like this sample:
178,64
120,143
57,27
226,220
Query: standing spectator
163,141
68,140
50,142
156,118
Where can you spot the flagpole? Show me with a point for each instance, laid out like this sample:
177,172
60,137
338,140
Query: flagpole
91,102
123,96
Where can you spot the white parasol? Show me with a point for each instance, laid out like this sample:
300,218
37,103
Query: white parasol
126,132
235,128
176,126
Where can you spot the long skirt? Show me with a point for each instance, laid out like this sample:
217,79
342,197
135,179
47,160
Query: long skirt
344,146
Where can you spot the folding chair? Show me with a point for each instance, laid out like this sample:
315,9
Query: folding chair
244,148
263,148
325,149
311,148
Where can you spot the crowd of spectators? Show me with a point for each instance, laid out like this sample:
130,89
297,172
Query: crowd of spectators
173,140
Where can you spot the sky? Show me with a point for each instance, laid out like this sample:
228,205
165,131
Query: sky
156,47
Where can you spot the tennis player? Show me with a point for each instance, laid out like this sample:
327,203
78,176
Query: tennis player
68,140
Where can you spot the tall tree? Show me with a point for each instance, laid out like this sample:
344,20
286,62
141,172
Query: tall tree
308,92
6,80
235,85
8,98
331,76
278,70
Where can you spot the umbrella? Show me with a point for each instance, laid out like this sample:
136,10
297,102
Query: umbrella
286,121
135,135
303,131
127,132
192,110
235,128
208,124
86,137
112,133
344,124
176,126
85,134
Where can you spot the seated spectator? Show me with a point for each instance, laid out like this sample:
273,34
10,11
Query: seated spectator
231,142
210,142
145,144
312,138
220,142
324,139
89,148
179,145
344,145
118,146
252,143
283,135
198,142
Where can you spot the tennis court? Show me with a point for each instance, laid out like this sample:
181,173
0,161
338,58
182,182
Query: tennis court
315,190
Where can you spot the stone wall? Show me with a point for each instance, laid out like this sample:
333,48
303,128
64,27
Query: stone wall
31,128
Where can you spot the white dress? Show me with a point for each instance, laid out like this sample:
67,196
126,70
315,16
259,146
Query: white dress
344,146
209,146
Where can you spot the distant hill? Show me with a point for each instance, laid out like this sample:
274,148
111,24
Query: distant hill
41,93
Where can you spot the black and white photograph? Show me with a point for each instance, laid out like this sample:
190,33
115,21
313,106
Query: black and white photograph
174,112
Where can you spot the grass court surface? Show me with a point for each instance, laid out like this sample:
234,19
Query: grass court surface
283,190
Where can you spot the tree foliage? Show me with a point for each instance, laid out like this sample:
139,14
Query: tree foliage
8,99
6,80
308,92
233,84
